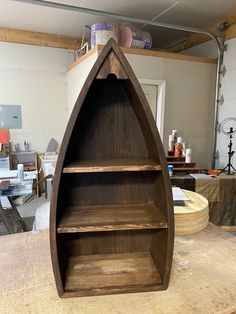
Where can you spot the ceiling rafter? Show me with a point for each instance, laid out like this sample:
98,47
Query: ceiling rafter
37,38
224,29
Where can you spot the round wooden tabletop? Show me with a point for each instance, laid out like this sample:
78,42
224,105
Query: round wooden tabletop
193,216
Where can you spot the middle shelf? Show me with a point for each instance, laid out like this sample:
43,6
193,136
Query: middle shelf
112,165
111,217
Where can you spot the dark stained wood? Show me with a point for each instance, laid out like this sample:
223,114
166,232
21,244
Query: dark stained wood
173,158
107,126
113,217
186,169
93,274
182,164
113,242
111,165
108,188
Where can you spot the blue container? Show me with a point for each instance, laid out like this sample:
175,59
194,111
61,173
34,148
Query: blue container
170,170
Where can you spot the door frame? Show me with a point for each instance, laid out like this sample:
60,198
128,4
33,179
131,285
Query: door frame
160,105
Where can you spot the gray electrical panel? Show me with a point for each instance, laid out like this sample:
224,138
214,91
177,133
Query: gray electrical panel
10,116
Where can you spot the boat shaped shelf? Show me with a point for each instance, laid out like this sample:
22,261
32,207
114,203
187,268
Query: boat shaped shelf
111,219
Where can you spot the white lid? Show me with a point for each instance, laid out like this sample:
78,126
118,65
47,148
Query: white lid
179,139
20,167
174,132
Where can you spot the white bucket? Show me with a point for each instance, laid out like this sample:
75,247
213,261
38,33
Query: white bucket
102,32
132,37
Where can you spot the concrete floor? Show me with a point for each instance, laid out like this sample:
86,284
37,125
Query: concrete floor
27,212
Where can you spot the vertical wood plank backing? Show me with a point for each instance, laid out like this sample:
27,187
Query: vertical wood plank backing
107,126
112,242
108,188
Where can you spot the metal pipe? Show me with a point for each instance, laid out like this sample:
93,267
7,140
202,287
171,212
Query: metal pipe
119,17
153,23
216,111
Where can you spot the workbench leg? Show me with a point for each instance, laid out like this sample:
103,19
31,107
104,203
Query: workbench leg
12,219
5,220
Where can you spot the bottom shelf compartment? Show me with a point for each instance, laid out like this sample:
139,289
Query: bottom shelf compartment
113,273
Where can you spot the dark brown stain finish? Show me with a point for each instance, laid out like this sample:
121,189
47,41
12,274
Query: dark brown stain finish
111,218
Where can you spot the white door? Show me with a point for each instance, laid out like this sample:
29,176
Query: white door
154,91
150,91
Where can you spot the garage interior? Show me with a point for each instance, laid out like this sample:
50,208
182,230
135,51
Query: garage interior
115,171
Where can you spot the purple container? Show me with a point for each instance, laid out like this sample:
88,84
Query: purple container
132,37
102,32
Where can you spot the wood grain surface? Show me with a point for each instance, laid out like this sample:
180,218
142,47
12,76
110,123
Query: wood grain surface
202,279
193,216
112,165
96,274
111,217
111,156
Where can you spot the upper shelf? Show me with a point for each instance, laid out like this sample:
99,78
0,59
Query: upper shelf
147,53
112,165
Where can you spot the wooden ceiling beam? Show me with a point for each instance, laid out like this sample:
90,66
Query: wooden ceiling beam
231,31
21,36
195,39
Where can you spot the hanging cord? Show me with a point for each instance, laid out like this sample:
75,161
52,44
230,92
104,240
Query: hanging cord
84,47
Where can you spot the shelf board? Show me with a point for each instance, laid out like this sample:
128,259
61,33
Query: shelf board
187,169
111,217
179,164
112,165
116,273
173,158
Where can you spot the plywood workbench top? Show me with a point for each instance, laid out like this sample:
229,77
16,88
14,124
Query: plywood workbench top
203,279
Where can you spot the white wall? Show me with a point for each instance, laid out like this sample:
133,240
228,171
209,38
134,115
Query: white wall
35,78
76,78
190,94
228,90
207,49
190,90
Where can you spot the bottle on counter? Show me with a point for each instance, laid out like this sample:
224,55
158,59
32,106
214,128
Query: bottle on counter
188,155
184,145
170,170
171,145
20,172
174,133
178,147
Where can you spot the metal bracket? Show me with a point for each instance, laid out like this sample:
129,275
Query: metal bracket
223,26
224,47
217,155
220,100
218,127
222,70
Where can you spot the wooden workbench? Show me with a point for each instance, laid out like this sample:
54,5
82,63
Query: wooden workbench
203,279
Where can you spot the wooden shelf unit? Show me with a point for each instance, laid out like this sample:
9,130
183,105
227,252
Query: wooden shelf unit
111,218
28,159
